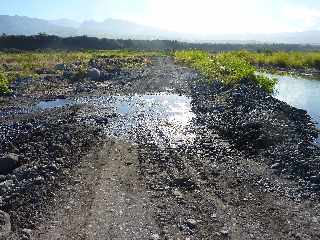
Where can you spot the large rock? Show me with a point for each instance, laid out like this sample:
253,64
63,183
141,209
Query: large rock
60,67
94,74
68,74
5,225
8,163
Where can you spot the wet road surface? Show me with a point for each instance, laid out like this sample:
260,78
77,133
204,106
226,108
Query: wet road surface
162,171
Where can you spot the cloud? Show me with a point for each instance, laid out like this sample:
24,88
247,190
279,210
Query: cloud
212,16
305,18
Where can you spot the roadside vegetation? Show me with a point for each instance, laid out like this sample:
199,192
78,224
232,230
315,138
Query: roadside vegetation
226,67
4,84
29,64
281,59
229,67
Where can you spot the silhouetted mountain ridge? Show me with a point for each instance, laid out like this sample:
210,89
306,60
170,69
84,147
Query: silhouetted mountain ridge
115,28
16,25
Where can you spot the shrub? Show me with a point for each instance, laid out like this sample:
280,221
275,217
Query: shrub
229,68
4,84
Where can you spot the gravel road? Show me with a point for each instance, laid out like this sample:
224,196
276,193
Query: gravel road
157,153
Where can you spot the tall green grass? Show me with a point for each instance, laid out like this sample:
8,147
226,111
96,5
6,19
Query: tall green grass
226,67
292,60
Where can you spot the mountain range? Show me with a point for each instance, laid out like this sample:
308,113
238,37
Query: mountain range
115,28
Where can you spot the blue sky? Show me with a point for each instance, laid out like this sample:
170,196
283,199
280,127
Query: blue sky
197,16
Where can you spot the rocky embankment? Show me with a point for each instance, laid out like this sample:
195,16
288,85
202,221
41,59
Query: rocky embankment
258,124
245,166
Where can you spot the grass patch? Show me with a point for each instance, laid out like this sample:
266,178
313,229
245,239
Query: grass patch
29,62
26,64
291,60
226,67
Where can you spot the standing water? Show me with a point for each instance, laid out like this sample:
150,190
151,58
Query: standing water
300,93
164,116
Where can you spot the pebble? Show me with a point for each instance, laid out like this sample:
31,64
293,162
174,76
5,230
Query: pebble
155,237
7,184
60,66
191,223
39,179
27,232
224,231
275,166
5,225
94,74
177,193
8,163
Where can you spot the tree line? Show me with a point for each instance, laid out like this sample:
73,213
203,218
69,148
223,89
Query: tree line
45,42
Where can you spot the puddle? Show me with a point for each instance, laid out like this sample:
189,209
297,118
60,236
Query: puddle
165,117
14,111
43,105
57,103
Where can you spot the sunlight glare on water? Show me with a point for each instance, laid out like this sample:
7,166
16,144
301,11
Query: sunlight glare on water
165,116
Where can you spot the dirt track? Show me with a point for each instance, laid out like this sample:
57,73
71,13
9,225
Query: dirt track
232,164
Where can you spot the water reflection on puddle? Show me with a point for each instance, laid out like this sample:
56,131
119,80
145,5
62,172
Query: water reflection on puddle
57,103
165,117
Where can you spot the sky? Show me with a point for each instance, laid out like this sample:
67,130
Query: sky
189,16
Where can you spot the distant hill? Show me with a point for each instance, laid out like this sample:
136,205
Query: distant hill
66,23
307,37
16,25
122,29
114,28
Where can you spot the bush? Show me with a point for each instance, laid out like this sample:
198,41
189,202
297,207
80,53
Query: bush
4,84
229,68
266,83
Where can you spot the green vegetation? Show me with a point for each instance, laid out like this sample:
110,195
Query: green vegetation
29,62
26,64
226,67
4,84
292,60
